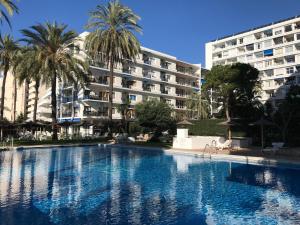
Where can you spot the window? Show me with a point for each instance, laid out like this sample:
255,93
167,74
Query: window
259,54
259,45
268,33
241,40
132,97
278,41
290,59
269,73
250,47
289,49
268,63
87,109
298,36
278,32
288,28
290,70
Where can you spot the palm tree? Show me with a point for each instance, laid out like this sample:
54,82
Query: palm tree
29,69
113,39
124,110
54,52
8,51
7,6
197,106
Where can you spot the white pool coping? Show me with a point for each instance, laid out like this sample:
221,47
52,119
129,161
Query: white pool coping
220,157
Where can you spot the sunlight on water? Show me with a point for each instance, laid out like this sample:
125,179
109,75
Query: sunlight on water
93,185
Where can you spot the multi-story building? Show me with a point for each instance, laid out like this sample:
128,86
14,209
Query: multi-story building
274,49
11,109
153,75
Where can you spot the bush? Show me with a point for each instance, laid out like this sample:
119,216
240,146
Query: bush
211,127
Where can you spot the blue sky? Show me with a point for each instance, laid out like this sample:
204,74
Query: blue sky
177,27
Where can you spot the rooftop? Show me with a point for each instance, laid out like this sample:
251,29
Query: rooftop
255,28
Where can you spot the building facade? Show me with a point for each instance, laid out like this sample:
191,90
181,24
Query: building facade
274,49
153,75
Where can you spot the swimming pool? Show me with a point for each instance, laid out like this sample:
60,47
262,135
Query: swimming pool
92,185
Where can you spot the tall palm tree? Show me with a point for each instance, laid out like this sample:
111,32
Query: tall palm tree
7,6
29,69
54,52
8,51
113,39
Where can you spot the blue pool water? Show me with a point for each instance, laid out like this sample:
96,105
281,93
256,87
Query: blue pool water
91,185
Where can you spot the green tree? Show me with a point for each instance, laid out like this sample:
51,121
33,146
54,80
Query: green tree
29,69
287,113
7,6
8,51
154,115
113,39
197,107
234,84
125,111
54,47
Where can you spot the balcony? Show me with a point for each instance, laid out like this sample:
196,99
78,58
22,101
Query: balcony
67,114
96,113
163,91
95,97
147,74
98,63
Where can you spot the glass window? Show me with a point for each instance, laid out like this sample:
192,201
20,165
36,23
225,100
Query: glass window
290,59
278,32
258,45
290,70
268,63
259,54
132,97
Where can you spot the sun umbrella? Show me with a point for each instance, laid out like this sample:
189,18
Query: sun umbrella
262,122
229,123
184,123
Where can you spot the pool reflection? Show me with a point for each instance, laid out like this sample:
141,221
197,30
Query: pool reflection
118,186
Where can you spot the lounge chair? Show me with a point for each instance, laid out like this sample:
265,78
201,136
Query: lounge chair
226,145
276,146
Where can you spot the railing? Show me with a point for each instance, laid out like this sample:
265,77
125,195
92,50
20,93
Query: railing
95,113
95,97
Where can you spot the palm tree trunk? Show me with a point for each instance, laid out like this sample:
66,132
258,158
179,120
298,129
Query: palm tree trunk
54,107
3,92
15,99
36,98
26,98
111,87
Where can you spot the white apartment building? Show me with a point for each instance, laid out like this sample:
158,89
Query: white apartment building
274,49
154,75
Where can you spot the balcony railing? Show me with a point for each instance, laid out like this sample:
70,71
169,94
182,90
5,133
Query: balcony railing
95,97
95,113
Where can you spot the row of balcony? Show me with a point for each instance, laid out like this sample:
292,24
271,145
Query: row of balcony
130,68
257,36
